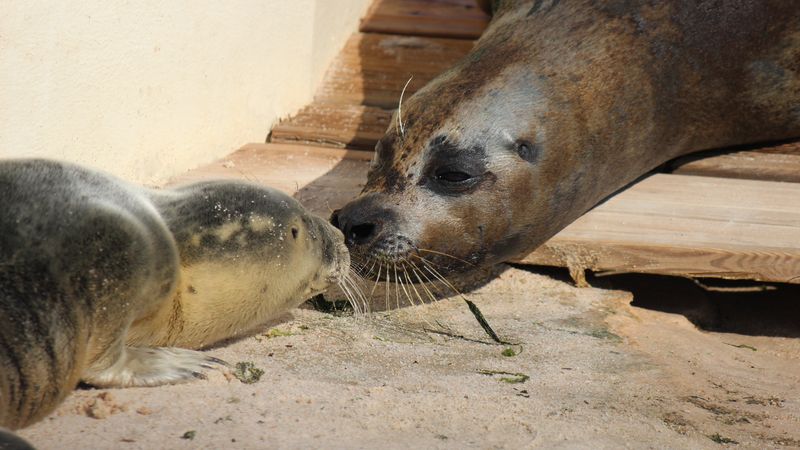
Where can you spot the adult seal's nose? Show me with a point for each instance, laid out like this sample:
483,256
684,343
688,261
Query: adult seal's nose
359,227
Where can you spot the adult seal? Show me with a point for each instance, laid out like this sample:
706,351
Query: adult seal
559,104
100,280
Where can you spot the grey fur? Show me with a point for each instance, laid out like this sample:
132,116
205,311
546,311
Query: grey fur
86,259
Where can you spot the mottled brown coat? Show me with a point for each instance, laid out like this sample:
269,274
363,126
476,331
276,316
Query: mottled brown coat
599,93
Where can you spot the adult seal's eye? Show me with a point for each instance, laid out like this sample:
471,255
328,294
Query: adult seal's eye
452,176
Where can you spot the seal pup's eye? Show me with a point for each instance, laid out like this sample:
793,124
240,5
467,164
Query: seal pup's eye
295,232
528,151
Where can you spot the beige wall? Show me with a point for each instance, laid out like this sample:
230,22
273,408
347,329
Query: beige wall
147,89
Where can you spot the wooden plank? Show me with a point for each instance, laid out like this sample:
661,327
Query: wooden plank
334,125
688,225
666,224
323,179
776,163
373,68
442,18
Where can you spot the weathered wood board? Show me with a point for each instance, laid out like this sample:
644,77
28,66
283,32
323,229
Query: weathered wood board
668,224
372,68
775,163
334,125
444,18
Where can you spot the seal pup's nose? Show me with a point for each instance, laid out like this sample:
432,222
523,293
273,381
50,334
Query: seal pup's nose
357,229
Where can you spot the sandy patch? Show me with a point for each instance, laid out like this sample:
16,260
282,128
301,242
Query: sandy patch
587,371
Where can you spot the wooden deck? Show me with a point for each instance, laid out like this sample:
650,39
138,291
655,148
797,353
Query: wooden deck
728,214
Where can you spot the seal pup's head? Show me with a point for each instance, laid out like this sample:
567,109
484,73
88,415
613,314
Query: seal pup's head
248,254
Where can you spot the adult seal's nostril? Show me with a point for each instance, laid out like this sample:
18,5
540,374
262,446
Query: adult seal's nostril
361,234
360,222
335,218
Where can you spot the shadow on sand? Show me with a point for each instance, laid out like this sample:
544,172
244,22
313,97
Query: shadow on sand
728,306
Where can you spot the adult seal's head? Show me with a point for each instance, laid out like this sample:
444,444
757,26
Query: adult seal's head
559,104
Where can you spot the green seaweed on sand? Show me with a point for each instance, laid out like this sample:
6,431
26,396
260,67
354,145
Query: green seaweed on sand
247,372
512,378
189,435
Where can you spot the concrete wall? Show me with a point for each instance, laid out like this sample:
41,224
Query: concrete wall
146,89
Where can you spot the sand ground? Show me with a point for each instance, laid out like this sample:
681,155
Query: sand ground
587,370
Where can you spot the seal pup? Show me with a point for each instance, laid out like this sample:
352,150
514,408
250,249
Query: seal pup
101,280
560,104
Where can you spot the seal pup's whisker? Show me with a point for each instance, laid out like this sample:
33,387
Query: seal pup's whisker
357,267
413,292
359,293
361,307
348,295
400,107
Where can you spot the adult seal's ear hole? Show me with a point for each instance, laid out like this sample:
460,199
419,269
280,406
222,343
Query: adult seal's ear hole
528,151
334,220
438,140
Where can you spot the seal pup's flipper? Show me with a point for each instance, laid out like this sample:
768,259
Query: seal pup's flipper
124,366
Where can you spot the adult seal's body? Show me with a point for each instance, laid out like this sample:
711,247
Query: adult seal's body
560,104
100,279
